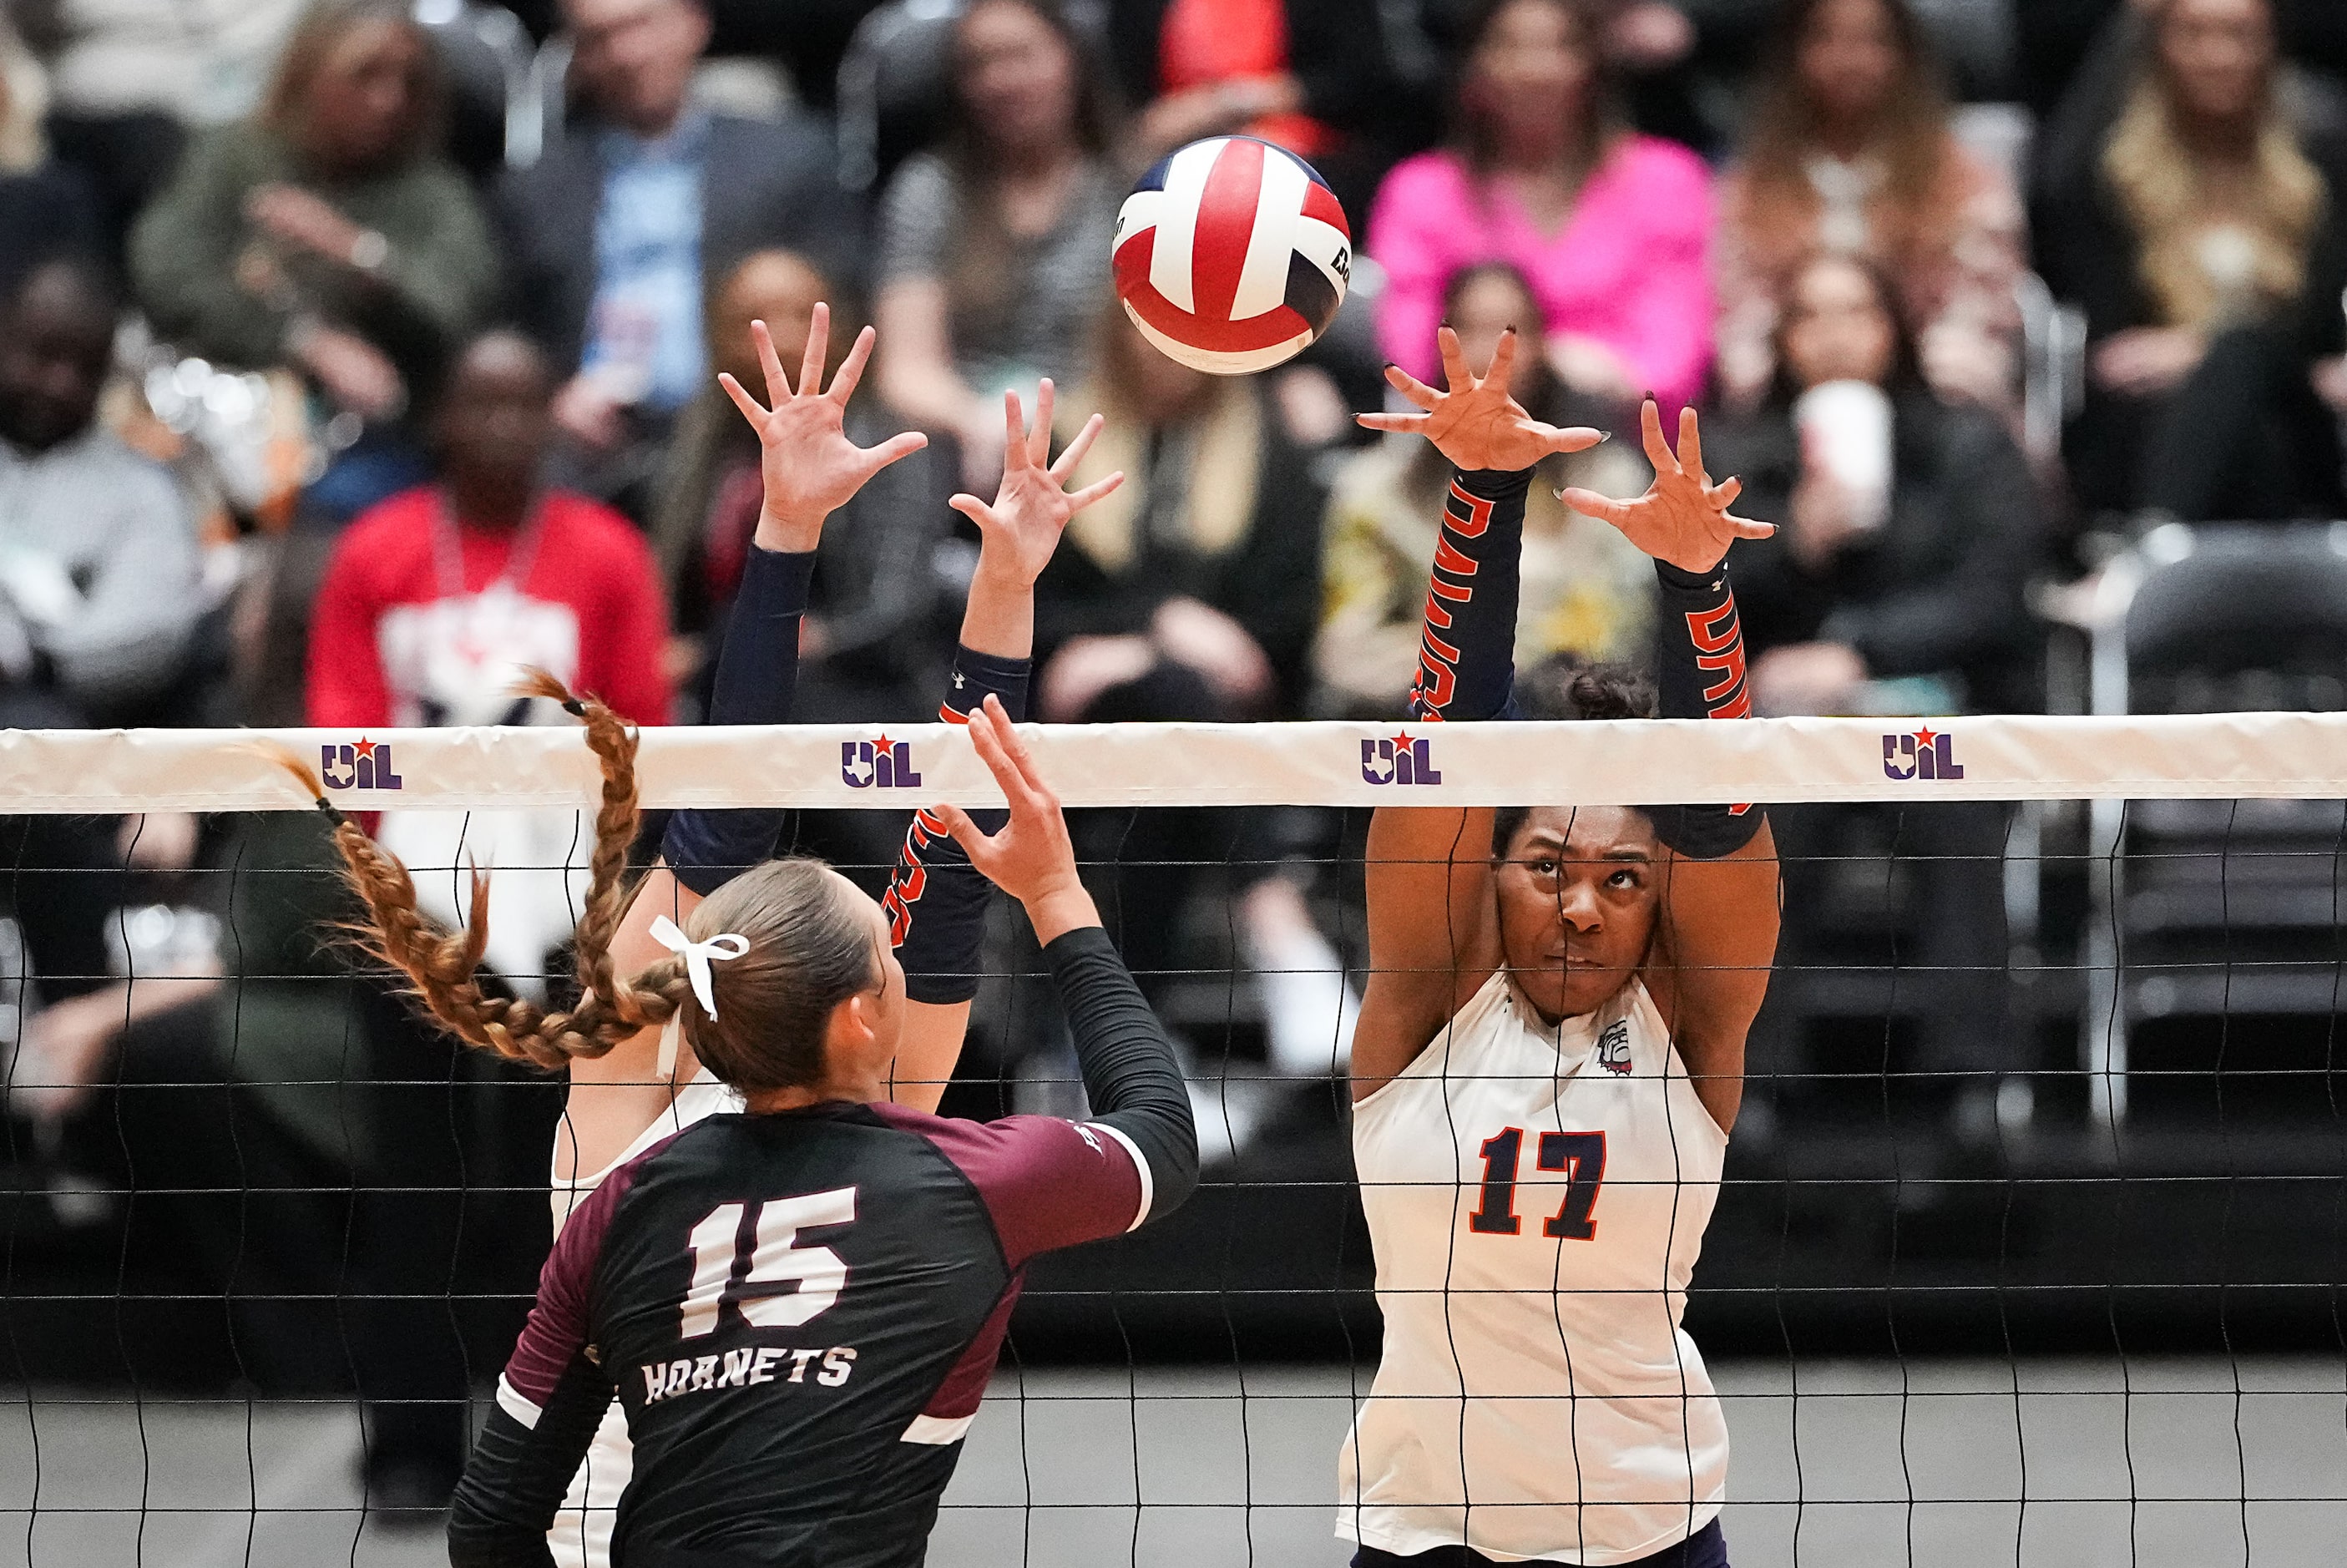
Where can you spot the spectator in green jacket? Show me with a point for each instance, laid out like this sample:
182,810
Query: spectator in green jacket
328,233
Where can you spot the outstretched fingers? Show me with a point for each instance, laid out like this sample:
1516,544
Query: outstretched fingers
973,839
1590,504
895,449
752,409
975,511
778,385
1078,447
1038,438
1570,438
1746,528
1650,430
843,386
1014,433
818,349
1407,423
1410,386
1691,446
1503,362
1078,500
1455,373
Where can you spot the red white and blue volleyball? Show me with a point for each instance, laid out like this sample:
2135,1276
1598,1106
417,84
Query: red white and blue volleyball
1232,255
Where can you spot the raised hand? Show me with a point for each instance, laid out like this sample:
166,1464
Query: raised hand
1683,518
1033,858
1476,424
1019,532
810,467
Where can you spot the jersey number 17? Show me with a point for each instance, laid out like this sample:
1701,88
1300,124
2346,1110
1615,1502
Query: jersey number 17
1580,1155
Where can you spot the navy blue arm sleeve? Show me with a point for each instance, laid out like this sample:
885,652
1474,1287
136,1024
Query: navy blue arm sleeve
936,900
1699,669
757,677
1466,658
1130,1074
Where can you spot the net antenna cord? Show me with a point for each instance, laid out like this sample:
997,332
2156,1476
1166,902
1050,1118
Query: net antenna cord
2273,755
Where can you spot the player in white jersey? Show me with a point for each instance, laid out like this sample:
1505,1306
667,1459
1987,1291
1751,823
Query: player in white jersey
649,1085
1549,1054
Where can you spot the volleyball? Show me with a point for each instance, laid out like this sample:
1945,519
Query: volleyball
1232,255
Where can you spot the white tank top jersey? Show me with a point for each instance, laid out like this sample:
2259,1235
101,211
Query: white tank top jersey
1536,1198
581,1536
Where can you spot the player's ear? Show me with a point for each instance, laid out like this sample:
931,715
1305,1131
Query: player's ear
854,1029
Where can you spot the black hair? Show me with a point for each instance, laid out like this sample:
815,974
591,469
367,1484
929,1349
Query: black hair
1564,686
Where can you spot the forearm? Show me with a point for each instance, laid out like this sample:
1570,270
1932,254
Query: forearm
757,680
936,900
999,620
516,1478
1699,666
1131,1076
1467,651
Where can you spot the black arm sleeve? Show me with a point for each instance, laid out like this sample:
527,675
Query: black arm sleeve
1699,669
1128,1063
516,1478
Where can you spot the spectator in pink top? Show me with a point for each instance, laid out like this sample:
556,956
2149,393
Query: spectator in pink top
1611,228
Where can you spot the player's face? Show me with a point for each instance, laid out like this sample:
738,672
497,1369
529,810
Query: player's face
1578,893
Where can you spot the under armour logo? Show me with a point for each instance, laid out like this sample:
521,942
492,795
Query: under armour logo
960,679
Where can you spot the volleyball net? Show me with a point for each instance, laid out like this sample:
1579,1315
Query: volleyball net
2030,1246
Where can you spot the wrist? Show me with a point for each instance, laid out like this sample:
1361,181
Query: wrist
1060,910
1674,577
789,534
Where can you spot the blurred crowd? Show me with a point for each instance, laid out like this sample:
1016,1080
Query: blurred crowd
355,353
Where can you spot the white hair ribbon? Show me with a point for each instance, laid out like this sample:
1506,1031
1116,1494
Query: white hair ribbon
726,946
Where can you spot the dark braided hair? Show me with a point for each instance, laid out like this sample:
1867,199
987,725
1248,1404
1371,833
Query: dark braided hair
1563,686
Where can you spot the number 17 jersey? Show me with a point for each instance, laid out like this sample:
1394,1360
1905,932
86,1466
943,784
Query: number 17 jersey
1536,1196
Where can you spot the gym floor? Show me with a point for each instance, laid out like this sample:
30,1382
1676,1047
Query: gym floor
1835,1464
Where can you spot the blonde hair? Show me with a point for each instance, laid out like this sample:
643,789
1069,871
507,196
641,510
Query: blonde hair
808,950
2162,188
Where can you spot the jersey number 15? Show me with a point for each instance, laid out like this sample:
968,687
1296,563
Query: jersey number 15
776,1260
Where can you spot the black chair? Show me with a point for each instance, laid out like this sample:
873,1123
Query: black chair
2217,910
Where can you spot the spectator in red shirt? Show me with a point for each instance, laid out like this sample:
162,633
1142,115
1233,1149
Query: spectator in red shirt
437,598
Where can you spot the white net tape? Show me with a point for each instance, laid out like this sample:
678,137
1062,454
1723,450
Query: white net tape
2228,756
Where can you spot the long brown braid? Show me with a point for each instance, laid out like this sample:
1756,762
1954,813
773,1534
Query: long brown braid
442,968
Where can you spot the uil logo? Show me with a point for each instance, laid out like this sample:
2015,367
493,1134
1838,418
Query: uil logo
1614,1047
1928,753
364,765
1398,760
883,764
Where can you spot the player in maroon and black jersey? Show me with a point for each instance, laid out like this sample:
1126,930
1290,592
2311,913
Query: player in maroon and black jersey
799,1306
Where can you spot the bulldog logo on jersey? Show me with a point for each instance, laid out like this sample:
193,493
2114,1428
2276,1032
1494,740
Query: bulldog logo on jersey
1614,1047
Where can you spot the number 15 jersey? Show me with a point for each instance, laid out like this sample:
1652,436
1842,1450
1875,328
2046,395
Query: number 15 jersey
799,1312
1537,1197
